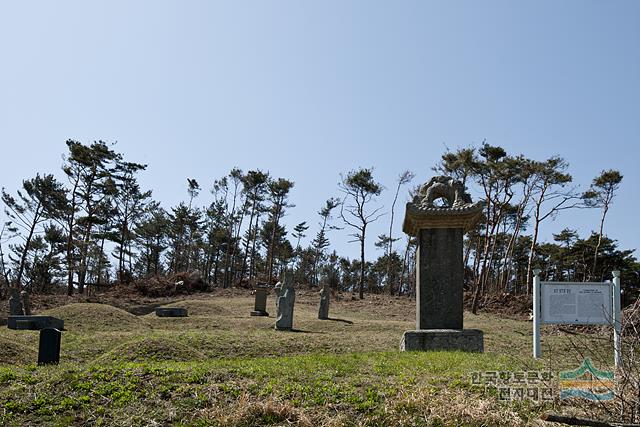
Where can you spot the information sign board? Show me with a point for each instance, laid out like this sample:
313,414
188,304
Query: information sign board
577,303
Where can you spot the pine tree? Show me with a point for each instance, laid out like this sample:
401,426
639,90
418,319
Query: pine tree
89,169
601,194
278,193
359,189
129,205
321,241
41,199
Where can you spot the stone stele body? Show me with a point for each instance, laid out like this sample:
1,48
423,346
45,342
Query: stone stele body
260,306
286,300
323,310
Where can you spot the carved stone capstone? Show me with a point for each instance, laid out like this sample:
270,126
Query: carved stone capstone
458,211
442,187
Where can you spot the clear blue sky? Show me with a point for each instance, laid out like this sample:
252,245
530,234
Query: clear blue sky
307,90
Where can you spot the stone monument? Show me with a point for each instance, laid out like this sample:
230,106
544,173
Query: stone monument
439,229
49,346
15,305
323,311
286,300
260,305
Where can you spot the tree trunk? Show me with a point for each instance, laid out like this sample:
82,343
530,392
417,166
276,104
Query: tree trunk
99,280
532,252
84,250
71,223
23,258
364,227
595,253
405,260
215,267
252,265
390,248
232,269
228,249
4,270
273,238
246,246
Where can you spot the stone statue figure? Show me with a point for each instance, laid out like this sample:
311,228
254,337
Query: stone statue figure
323,311
26,306
285,302
277,289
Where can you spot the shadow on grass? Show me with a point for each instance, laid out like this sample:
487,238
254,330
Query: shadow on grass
302,331
348,322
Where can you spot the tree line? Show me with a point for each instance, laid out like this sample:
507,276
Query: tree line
98,227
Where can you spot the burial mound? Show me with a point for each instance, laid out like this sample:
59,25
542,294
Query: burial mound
154,349
13,353
96,317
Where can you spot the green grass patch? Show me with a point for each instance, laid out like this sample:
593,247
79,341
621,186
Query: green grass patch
362,386
220,366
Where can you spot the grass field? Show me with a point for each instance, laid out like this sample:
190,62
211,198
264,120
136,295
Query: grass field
220,366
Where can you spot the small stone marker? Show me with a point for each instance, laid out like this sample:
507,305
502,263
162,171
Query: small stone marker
34,323
15,305
440,266
260,305
323,311
171,312
286,300
49,348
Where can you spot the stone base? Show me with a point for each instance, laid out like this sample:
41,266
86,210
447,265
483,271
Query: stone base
34,323
171,312
443,339
259,313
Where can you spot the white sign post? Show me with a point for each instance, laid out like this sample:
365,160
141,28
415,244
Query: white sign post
617,319
536,313
576,303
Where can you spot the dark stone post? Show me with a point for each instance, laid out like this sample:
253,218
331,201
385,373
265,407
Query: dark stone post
15,305
440,266
49,347
260,305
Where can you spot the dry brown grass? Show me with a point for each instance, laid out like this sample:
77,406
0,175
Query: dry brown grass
13,352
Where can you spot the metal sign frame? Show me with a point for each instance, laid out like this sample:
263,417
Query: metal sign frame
612,291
